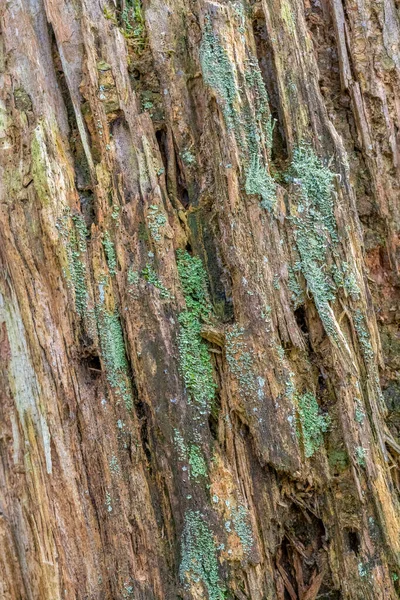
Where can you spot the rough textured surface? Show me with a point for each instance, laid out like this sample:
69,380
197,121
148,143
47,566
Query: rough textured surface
199,299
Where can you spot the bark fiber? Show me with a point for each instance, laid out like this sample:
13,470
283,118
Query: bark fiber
199,299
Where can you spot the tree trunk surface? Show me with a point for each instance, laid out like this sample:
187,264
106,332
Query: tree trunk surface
199,299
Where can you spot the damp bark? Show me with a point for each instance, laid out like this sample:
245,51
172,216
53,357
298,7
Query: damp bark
199,300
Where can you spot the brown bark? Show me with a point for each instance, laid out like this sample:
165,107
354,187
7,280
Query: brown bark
176,431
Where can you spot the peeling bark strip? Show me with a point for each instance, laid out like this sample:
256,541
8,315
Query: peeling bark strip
199,322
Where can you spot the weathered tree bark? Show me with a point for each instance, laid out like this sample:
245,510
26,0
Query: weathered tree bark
199,299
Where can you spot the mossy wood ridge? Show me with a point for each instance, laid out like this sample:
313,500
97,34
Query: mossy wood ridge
199,324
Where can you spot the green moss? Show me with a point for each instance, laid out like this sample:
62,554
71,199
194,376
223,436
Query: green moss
156,220
195,362
338,460
133,23
199,556
313,424
149,274
109,249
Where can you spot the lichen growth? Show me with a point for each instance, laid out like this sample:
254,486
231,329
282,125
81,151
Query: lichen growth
241,362
345,278
195,363
259,182
218,73
199,556
133,24
113,353
360,456
363,336
73,232
114,466
109,249
250,120
315,228
198,467
359,413
313,424
156,220
180,445
149,274
242,526
297,296
132,277
188,157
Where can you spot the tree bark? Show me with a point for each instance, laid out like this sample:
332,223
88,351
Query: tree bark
199,299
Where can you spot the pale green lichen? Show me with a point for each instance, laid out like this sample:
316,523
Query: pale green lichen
360,456
315,228
199,562
156,221
180,445
297,296
218,72
313,423
260,182
133,24
198,466
359,413
241,362
114,466
251,122
363,336
109,249
113,353
132,277
195,363
192,454
149,274
73,231
108,502
242,526
188,157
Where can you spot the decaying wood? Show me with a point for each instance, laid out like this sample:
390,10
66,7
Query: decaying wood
199,299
